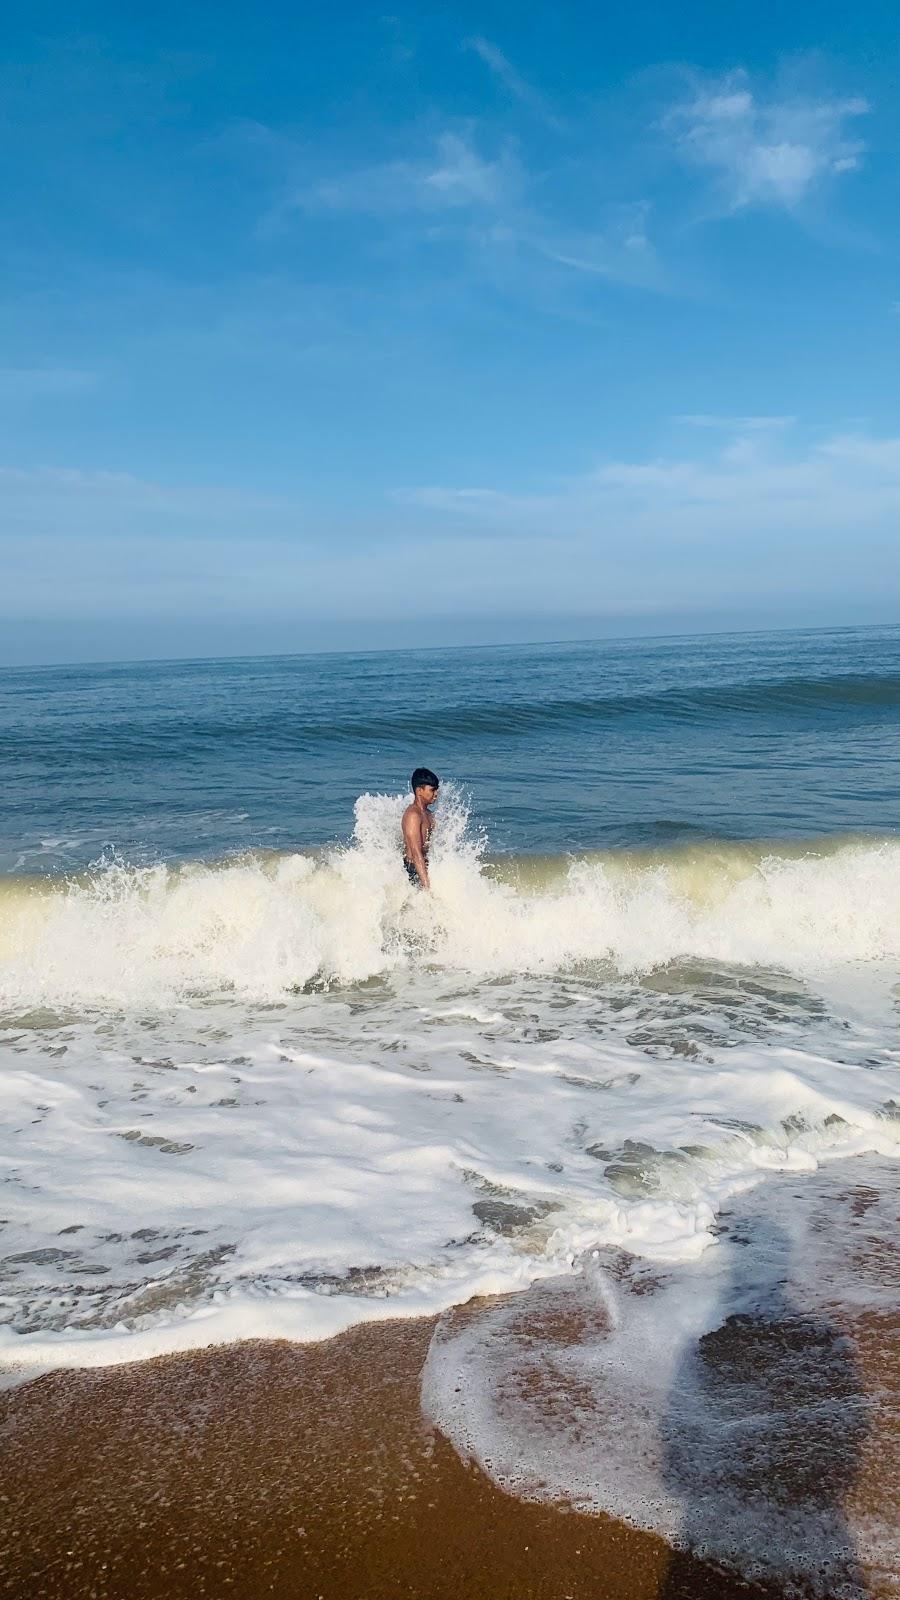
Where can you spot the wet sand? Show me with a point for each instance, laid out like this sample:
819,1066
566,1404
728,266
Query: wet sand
288,1471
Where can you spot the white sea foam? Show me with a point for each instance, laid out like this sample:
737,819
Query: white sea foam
282,1095
262,927
732,1405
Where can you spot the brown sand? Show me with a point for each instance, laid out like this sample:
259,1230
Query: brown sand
293,1471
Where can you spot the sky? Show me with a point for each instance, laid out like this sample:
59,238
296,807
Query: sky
333,326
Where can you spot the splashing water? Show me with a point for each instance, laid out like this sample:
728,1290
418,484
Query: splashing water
261,927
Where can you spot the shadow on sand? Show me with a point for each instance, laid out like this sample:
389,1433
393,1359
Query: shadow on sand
762,1441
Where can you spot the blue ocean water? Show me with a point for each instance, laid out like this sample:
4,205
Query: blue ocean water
565,747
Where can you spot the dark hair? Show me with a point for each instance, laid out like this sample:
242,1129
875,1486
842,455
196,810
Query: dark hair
424,778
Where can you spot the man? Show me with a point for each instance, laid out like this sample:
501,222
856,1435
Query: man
418,824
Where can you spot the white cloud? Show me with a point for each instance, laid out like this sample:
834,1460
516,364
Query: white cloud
765,150
493,208
754,489
452,175
461,177
534,233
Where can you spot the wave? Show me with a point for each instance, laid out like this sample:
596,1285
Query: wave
261,926
314,726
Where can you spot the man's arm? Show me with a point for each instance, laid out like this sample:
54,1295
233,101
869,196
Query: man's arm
412,843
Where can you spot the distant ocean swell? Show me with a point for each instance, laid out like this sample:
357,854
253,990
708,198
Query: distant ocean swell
509,714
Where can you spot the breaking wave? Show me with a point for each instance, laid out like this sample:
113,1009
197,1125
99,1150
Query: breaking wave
261,926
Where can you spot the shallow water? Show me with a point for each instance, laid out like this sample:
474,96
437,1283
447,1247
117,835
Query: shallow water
745,1406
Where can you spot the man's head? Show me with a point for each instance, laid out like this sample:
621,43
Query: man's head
425,785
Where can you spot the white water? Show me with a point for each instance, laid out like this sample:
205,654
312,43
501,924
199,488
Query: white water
279,1096
124,936
744,1405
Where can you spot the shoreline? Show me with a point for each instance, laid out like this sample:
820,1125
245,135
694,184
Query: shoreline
295,1470
265,1468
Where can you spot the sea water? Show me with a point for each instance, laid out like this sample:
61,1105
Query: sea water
254,1084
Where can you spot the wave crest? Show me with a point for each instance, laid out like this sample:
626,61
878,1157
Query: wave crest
262,926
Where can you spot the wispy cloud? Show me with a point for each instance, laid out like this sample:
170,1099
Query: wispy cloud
762,515
515,85
879,457
451,175
756,487
621,250
765,149
489,204
705,419
121,546
471,188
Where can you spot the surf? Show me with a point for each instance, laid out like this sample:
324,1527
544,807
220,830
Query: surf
282,1093
263,925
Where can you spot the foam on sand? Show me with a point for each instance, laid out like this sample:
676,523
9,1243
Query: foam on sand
744,1406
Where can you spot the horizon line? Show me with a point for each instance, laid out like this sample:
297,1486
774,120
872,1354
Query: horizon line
390,650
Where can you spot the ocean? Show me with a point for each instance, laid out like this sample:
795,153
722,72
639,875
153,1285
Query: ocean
635,1058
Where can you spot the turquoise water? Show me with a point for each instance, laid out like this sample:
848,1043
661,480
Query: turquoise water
563,748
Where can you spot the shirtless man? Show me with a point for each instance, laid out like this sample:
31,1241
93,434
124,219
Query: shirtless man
418,824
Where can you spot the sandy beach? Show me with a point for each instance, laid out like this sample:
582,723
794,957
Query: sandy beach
270,1469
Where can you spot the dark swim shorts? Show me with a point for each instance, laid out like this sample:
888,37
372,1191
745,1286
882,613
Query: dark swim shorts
412,874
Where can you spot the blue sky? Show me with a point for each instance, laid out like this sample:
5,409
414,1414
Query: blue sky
327,326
